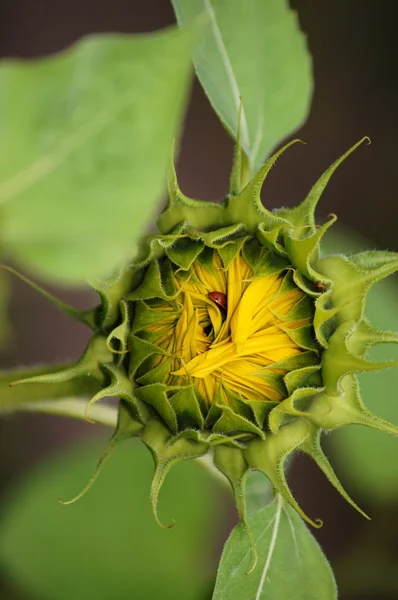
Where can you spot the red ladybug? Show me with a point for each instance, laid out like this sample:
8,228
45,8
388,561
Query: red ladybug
219,298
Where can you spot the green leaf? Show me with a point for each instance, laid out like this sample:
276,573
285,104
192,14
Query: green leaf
86,137
290,563
363,454
253,50
107,545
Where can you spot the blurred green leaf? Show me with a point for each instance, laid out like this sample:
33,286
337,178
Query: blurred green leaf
258,491
86,136
290,562
368,570
365,456
253,50
107,545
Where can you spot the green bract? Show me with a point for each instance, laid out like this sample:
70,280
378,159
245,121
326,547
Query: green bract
182,365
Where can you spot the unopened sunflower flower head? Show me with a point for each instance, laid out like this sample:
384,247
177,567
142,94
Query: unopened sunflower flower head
231,334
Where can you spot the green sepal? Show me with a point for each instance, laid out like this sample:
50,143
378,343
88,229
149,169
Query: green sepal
212,439
355,407
184,252
151,286
304,214
95,356
221,236
166,453
261,260
127,427
304,284
231,249
223,420
327,412
337,360
261,410
323,324
303,309
302,404
153,246
287,284
269,456
144,316
121,333
375,260
247,207
154,374
298,361
274,378
237,405
186,404
88,317
156,395
302,251
302,336
180,208
365,336
312,447
120,386
299,378
140,350
352,280
244,208
206,258
111,291
272,238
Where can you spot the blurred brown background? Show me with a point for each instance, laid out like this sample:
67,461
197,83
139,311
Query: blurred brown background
354,47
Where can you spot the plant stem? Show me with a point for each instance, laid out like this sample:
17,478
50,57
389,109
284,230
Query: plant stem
74,408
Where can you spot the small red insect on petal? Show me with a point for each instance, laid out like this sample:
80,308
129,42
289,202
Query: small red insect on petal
219,298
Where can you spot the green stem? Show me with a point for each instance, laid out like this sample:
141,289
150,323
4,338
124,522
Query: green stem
74,408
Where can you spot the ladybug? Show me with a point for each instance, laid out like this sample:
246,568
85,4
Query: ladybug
219,298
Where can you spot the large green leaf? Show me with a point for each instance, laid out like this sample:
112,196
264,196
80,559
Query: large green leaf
253,50
85,140
364,455
107,545
290,563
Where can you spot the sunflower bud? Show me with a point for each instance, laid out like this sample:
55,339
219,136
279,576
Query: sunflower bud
230,331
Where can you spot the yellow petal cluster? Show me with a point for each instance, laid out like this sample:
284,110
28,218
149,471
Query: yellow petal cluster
231,350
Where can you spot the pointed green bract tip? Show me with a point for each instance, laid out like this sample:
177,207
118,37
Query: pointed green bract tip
231,331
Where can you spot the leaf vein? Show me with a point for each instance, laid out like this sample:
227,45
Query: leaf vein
61,152
271,548
228,68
